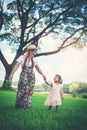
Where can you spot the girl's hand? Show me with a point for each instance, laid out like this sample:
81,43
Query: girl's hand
62,97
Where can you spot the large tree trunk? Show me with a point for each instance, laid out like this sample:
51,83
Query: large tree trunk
8,69
7,82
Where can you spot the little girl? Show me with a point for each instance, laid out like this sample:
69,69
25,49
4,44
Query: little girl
54,98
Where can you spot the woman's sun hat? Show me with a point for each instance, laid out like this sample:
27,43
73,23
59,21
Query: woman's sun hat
31,47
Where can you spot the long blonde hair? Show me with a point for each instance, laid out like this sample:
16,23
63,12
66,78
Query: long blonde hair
26,57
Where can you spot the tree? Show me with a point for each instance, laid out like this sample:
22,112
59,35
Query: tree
66,88
46,87
82,88
1,13
77,88
73,87
38,18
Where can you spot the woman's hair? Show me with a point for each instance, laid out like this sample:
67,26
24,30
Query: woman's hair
26,60
60,79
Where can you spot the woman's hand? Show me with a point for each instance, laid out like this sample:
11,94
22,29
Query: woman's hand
11,77
39,70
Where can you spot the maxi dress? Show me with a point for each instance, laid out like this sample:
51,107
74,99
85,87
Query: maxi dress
25,85
54,97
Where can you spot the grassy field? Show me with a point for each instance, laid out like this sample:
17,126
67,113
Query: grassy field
72,115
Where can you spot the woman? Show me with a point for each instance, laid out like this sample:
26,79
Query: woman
27,77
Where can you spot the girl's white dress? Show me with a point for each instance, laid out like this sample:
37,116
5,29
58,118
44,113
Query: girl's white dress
54,97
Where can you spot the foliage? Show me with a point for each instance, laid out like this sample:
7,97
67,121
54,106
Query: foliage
74,94
73,112
83,95
39,88
66,88
36,19
77,89
82,87
73,87
1,13
46,87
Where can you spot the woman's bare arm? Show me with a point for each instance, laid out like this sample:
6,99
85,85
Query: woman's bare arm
40,71
14,70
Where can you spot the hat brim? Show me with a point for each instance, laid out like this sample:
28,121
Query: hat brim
31,47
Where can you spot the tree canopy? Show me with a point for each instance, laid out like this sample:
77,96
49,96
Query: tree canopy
29,20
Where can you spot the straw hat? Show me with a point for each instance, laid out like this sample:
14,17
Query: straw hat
31,47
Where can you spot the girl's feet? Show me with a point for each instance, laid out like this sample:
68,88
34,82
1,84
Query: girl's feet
57,108
49,108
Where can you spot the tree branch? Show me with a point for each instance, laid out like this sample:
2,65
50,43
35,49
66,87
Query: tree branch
79,29
37,37
3,60
62,45
72,42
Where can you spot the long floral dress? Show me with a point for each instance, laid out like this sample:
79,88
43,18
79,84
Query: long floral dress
25,88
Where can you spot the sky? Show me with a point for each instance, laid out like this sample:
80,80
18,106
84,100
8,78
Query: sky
70,63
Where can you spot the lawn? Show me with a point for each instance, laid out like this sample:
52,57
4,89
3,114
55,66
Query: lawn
72,114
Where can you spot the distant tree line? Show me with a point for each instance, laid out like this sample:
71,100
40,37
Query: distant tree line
74,88
78,87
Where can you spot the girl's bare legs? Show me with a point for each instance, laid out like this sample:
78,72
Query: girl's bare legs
57,108
49,108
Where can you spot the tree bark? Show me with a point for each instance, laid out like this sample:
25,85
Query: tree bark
7,83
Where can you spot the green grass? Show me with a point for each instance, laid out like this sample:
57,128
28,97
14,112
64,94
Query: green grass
72,114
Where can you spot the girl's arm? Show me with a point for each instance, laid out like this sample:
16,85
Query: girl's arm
48,83
61,93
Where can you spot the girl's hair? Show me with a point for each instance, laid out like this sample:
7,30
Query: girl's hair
60,79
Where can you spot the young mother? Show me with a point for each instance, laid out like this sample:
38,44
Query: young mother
27,77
